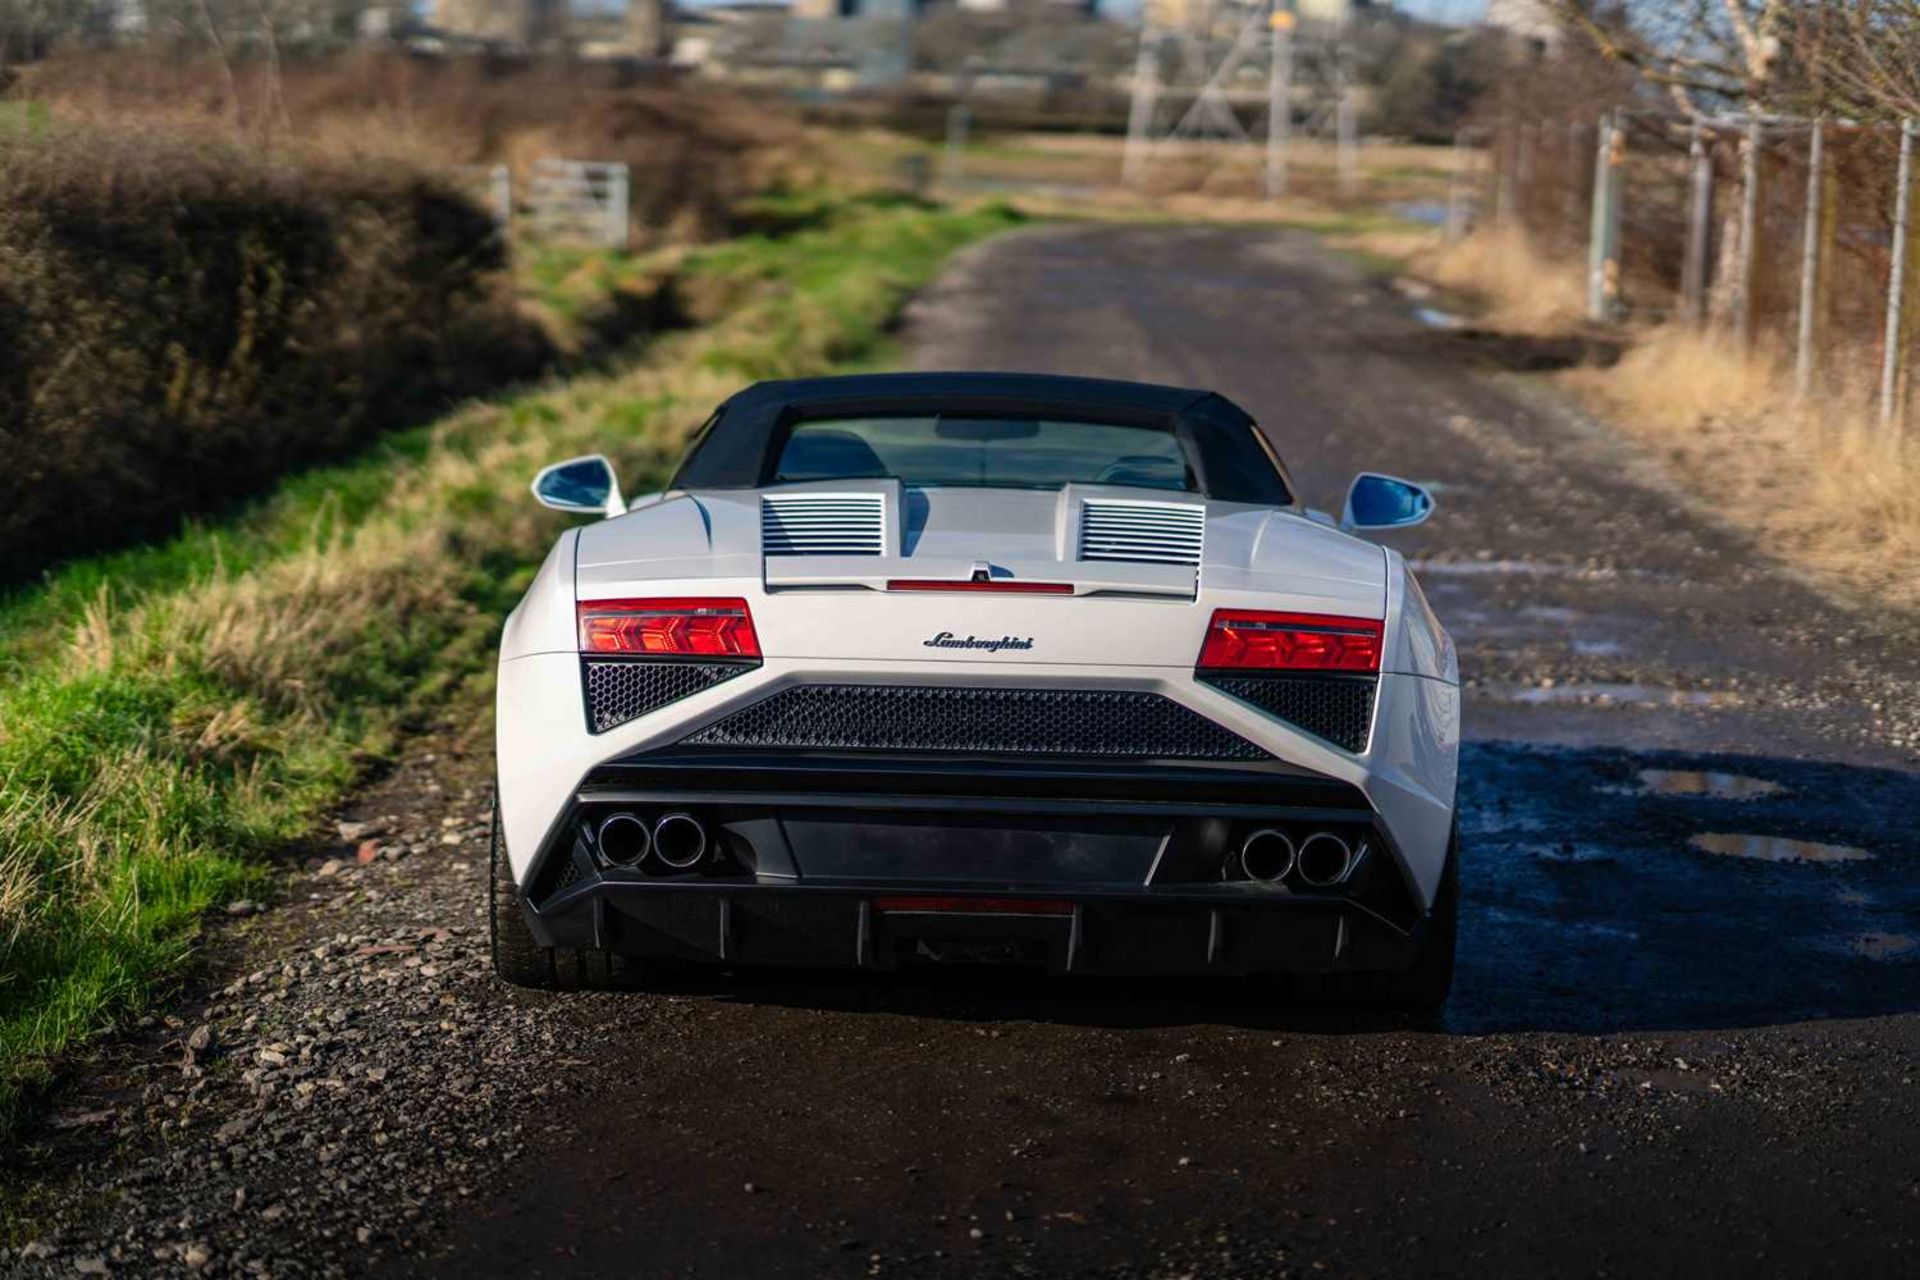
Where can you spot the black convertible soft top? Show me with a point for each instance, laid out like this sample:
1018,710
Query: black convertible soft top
740,445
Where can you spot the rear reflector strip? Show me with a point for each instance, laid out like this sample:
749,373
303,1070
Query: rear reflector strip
977,906
1005,585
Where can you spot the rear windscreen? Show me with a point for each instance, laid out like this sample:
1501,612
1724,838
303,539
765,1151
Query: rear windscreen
997,453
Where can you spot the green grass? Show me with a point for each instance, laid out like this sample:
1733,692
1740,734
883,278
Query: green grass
173,715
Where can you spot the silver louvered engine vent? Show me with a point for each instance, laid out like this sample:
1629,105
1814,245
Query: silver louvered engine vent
1155,532
823,524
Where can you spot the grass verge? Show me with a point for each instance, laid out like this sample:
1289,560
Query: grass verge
174,714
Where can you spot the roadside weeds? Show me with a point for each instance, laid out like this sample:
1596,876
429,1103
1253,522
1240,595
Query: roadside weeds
1817,482
163,730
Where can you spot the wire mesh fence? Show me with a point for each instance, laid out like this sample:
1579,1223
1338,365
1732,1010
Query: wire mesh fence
1785,234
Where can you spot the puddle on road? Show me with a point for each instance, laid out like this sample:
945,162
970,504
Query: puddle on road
1882,946
1775,848
1434,318
1620,695
1597,648
1705,785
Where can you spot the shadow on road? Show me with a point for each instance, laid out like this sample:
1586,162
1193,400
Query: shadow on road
1616,890
1604,890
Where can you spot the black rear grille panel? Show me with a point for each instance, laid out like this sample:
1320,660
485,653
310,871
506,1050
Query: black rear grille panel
1336,708
963,719
621,690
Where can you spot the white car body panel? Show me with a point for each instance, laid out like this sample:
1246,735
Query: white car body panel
828,622
969,720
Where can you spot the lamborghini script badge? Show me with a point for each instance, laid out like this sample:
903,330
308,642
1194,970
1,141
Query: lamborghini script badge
948,640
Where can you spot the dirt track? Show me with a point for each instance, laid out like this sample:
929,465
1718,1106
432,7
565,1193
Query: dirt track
1662,1057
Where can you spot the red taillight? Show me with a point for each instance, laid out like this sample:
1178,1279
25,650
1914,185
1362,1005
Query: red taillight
1007,585
669,628
1253,640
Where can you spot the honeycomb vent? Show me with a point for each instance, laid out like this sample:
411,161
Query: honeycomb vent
621,691
1336,708
966,719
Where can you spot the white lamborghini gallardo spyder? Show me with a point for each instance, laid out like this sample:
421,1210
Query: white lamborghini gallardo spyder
917,668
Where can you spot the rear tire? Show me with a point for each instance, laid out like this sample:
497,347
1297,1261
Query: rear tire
520,960
517,958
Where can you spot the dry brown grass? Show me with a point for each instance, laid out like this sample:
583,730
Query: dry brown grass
1819,481
1515,286
692,152
181,322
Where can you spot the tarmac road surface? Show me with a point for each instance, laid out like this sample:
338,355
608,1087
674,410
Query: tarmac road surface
1684,1038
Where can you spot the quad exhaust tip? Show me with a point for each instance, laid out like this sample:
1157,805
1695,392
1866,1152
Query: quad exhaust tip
624,840
1267,855
680,841
1324,859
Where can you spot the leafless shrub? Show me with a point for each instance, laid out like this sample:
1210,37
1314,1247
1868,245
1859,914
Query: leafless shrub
183,322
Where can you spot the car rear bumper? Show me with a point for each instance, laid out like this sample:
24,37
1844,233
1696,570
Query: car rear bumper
821,860
1150,933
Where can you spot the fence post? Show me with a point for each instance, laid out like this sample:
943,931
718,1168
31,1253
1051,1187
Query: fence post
1603,244
1505,162
619,198
1749,234
1810,241
502,192
1345,122
1457,188
1699,252
1279,101
959,120
1146,94
1897,279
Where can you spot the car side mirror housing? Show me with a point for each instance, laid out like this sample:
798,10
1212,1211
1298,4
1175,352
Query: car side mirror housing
1377,501
580,484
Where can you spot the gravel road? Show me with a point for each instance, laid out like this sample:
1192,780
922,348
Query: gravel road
1684,1038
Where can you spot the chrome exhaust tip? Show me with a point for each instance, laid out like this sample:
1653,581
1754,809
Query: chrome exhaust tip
1324,859
680,841
1266,855
624,840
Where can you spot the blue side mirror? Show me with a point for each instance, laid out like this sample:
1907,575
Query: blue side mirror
580,484
1385,502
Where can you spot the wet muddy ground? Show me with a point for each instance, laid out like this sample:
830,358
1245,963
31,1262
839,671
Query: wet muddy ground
1685,1037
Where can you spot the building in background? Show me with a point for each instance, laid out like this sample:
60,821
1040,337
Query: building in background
527,24
648,31
1532,20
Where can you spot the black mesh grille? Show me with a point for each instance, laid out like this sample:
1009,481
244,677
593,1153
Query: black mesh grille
1064,722
1337,708
621,691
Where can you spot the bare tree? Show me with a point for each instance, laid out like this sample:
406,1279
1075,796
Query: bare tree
1871,67
1700,52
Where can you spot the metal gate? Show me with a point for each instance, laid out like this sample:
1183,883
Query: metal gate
580,200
